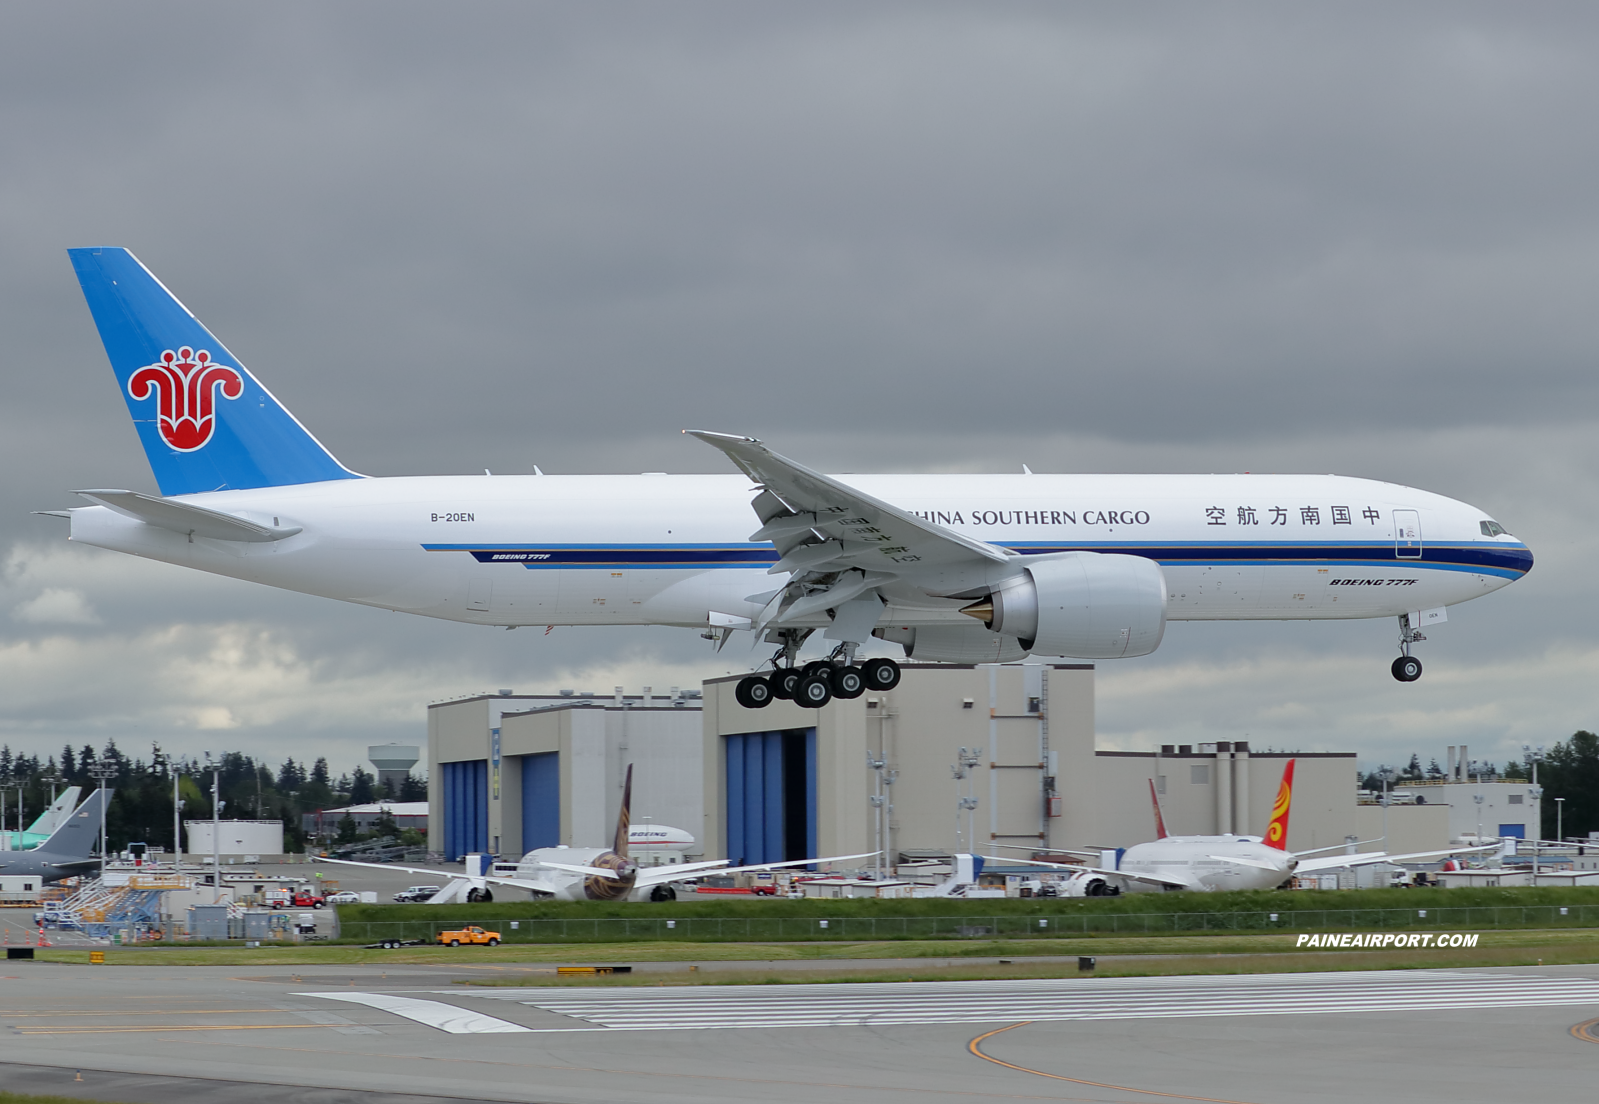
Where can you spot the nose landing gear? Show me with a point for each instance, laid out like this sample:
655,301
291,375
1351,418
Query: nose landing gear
1407,668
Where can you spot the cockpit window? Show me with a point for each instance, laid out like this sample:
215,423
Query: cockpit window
1491,528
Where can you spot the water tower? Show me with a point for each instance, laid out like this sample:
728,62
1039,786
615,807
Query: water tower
394,762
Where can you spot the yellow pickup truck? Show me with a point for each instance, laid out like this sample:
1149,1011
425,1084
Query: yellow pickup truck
473,935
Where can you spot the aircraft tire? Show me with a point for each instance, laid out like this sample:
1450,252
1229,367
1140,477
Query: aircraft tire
754,692
1407,668
880,674
816,667
814,692
847,682
785,682
663,893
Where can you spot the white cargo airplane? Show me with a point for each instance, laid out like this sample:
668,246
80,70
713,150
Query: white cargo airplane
583,873
961,568
1211,863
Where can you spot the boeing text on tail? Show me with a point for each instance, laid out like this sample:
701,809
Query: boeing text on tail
963,568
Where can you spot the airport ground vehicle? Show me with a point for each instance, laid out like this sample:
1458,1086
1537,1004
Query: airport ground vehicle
344,897
303,897
473,935
414,894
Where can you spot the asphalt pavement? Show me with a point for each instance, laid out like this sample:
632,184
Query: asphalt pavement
373,1035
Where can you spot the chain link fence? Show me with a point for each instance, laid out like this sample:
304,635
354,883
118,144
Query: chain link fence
780,929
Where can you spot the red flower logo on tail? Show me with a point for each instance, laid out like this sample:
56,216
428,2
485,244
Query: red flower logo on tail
186,383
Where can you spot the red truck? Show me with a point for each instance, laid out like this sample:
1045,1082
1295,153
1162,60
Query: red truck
304,897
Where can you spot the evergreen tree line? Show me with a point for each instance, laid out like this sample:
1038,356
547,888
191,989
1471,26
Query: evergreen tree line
1570,770
141,810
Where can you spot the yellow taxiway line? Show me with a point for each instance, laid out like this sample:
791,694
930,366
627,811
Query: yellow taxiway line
973,1047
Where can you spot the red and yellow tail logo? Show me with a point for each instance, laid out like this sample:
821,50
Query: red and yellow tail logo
1160,824
1277,830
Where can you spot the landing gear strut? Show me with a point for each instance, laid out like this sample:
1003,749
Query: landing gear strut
1407,668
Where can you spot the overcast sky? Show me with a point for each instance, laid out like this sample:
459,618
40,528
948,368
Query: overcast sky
1354,238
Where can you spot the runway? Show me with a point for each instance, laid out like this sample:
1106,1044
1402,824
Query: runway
363,1035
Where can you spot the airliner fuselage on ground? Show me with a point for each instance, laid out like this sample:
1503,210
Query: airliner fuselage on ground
1208,864
953,567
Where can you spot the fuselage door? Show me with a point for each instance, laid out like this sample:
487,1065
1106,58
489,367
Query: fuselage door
1407,534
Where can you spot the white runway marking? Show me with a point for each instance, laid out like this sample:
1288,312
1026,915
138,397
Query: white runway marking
445,1017
845,1005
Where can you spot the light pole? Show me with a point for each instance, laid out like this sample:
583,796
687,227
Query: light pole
963,770
1560,823
1386,774
1478,799
216,827
103,773
878,801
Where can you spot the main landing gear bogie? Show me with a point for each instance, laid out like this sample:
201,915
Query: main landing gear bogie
817,683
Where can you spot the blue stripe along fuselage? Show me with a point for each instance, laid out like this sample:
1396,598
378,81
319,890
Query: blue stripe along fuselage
1508,561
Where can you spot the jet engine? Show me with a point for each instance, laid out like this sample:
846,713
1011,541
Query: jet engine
1087,605
1086,883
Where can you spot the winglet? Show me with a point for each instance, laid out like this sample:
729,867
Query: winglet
1160,824
1277,830
624,818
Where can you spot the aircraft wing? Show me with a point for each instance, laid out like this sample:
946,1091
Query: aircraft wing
826,529
1152,879
1339,862
585,871
446,875
656,875
1256,863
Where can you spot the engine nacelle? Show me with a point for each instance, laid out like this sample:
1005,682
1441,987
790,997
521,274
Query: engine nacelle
1087,605
953,644
1086,883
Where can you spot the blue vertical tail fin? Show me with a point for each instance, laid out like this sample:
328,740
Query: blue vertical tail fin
205,422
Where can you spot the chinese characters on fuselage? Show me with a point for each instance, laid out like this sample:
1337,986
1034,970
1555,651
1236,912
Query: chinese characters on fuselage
1280,515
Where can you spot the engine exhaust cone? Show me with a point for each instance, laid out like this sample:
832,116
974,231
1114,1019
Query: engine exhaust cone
982,611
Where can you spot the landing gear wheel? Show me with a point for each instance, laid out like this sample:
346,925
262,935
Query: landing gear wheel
785,682
663,893
753,692
880,674
477,896
1407,668
816,667
847,682
814,692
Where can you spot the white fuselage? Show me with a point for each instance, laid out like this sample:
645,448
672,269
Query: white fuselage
1201,862
672,550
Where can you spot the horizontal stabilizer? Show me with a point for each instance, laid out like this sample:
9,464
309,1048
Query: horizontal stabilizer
181,517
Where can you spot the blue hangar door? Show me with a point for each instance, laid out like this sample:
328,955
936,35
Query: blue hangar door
466,808
771,796
541,800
